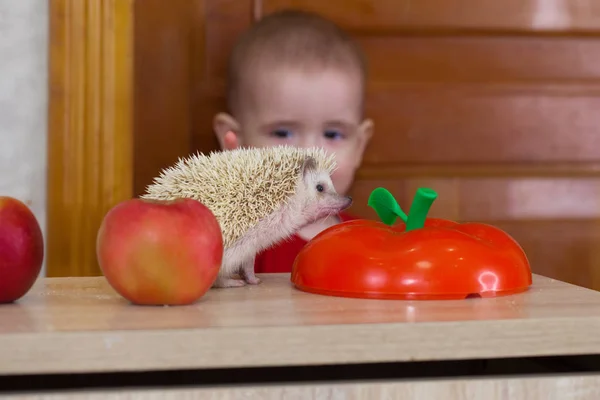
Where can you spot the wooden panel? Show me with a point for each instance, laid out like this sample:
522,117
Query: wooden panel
221,22
163,81
225,20
566,250
483,59
207,105
495,198
484,124
89,129
437,15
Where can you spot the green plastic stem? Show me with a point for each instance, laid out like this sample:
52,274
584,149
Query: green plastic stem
419,208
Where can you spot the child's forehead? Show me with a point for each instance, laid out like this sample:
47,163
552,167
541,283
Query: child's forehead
281,88
277,72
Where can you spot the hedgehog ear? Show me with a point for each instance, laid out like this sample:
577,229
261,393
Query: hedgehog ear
308,165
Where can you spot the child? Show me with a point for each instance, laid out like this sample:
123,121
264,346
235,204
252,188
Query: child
297,79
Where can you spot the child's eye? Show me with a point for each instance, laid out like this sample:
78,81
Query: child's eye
281,133
333,134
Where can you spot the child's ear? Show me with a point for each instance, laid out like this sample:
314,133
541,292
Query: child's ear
227,130
365,132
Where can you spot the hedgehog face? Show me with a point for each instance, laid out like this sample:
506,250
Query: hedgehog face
317,195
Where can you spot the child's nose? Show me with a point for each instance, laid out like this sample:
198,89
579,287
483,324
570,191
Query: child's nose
312,139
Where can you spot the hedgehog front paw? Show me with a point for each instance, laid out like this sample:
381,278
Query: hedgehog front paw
228,283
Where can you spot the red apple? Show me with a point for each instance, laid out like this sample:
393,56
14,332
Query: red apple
160,252
21,249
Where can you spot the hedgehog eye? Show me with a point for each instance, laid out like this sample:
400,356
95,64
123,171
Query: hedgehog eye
320,188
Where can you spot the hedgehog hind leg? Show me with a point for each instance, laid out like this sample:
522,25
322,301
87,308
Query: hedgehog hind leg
223,282
247,272
233,262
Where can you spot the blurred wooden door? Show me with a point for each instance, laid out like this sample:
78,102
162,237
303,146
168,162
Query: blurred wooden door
492,104
473,98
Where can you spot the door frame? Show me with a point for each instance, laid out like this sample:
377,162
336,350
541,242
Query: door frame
90,135
123,76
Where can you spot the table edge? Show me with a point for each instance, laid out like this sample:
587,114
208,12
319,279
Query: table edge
138,350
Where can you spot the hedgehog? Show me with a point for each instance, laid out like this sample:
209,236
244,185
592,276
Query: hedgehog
259,196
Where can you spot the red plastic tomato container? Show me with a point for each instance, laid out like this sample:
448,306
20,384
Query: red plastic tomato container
419,258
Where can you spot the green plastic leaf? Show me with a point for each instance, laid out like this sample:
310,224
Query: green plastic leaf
386,206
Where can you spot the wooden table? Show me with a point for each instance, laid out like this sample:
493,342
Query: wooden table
272,341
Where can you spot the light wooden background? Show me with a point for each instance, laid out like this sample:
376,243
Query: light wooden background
492,104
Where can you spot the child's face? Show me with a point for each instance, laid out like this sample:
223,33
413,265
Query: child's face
306,109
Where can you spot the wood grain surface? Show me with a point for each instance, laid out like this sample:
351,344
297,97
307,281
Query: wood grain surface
510,16
82,325
567,387
89,128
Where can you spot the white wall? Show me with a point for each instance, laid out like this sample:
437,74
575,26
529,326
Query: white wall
23,102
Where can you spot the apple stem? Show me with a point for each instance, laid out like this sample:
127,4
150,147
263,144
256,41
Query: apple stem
419,209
